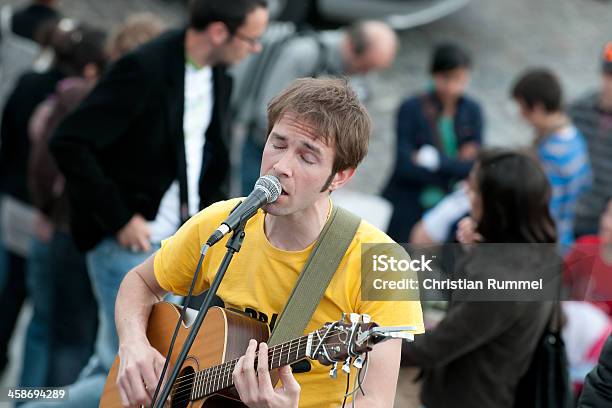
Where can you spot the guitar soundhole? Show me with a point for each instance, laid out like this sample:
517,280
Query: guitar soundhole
181,392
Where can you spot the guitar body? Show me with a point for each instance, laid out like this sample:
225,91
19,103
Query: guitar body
224,336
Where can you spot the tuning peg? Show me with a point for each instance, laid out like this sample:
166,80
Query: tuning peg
366,318
358,363
355,318
346,367
333,373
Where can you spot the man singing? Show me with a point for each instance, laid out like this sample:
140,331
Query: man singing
318,134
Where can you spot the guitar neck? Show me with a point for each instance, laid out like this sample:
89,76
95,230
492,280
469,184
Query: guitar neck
219,377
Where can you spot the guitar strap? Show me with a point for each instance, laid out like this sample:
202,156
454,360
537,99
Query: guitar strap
328,251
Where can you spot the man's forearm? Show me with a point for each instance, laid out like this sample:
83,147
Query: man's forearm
366,402
133,307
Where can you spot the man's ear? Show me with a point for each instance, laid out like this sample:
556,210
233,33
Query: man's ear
218,33
341,178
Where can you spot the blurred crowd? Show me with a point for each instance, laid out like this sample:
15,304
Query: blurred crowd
98,164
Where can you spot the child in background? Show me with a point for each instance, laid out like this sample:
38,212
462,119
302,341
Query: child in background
560,146
439,134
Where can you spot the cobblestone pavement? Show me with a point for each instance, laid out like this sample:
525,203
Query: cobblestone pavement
504,36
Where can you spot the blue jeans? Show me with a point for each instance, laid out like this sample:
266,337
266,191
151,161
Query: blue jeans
39,284
107,264
61,333
72,342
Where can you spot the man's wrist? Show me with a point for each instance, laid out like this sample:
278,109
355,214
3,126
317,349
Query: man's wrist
133,336
134,340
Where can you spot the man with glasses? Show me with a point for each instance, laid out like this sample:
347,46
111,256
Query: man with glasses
147,149
252,42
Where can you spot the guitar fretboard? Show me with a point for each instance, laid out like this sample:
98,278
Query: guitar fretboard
219,377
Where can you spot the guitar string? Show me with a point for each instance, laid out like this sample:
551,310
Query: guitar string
292,349
225,375
294,345
186,391
182,385
185,395
187,377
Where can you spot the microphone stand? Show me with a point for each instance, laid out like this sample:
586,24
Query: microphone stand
233,245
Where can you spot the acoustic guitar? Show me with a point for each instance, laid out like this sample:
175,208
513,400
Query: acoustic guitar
205,379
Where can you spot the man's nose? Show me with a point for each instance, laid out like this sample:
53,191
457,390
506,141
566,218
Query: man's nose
283,167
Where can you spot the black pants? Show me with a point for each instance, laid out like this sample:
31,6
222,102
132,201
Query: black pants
12,296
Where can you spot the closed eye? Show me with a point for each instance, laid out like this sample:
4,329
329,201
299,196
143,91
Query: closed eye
309,159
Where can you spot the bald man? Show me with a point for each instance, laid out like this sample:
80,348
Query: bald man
368,46
358,49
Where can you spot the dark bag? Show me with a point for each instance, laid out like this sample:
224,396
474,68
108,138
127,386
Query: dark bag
546,382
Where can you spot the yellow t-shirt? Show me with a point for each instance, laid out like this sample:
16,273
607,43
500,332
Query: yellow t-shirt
261,278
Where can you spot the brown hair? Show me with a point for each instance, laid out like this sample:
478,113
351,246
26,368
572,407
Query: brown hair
334,111
136,30
539,86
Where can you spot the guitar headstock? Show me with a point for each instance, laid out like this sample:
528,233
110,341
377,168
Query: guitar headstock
337,341
347,340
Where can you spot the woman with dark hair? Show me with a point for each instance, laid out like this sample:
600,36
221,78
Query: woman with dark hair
477,354
509,196
439,133
78,51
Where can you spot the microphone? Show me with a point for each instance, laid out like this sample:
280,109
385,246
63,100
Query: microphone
267,190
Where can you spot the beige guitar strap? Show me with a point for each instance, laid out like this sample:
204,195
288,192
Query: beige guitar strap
328,251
